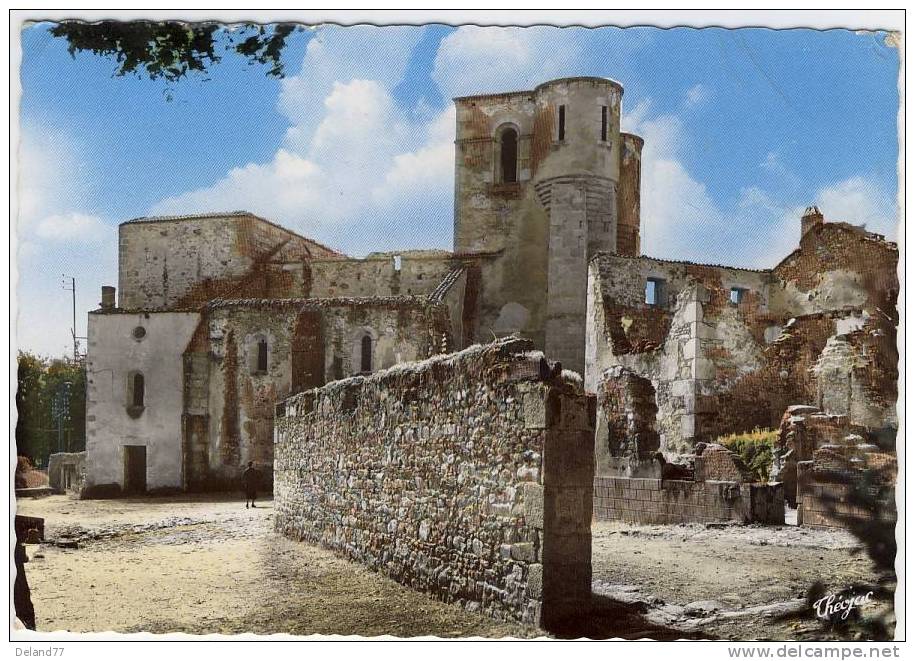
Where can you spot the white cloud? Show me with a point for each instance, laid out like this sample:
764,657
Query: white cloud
57,233
352,158
71,226
476,59
340,55
860,200
696,94
54,186
677,210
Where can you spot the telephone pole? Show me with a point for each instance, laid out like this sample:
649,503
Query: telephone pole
71,287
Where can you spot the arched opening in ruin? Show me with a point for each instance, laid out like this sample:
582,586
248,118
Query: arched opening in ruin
365,361
508,141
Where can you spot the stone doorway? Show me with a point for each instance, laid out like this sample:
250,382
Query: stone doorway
134,469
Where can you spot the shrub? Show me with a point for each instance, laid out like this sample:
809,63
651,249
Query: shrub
755,448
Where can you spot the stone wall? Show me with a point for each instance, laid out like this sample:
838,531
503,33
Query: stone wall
693,342
838,474
847,486
729,349
626,439
634,483
466,476
655,501
803,430
229,400
181,261
410,272
67,471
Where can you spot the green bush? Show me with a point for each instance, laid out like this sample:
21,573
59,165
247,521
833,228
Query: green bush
755,449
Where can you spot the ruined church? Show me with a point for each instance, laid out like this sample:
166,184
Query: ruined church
218,318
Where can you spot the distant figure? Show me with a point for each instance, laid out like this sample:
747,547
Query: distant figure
250,479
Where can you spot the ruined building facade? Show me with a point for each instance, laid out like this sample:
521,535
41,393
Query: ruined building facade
220,317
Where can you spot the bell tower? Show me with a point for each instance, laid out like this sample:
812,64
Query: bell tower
545,179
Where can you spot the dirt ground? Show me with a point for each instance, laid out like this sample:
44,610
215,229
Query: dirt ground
734,582
207,565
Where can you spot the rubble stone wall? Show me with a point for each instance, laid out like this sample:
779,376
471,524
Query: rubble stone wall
728,350
160,261
466,476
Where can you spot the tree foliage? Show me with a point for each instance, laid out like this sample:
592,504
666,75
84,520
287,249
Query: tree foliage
172,49
39,380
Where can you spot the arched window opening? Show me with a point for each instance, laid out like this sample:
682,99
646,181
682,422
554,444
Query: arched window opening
139,391
262,355
509,156
366,354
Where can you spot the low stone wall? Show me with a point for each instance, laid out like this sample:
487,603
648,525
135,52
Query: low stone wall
67,471
827,505
466,476
652,501
847,486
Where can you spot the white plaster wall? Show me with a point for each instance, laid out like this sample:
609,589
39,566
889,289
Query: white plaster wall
113,353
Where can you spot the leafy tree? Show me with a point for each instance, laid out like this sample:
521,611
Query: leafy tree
172,50
39,380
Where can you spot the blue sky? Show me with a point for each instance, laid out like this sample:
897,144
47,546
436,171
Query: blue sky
743,128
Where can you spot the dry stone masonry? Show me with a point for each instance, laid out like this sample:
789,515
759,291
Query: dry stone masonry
466,476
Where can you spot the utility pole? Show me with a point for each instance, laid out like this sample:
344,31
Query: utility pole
71,287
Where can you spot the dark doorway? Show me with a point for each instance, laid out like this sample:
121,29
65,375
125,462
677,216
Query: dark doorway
307,352
134,469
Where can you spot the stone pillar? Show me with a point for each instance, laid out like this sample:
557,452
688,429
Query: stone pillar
567,275
562,579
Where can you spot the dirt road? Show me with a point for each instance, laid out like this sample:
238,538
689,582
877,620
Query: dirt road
208,565
174,565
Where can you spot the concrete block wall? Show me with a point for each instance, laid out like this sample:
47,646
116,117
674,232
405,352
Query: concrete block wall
466,476
655,501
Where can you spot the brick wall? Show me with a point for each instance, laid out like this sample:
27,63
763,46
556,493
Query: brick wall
465,476
653,501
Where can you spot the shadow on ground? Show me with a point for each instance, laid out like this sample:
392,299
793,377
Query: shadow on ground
608,618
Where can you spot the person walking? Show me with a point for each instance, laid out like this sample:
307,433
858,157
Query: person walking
249,477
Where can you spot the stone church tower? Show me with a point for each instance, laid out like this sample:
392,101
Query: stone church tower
544,179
